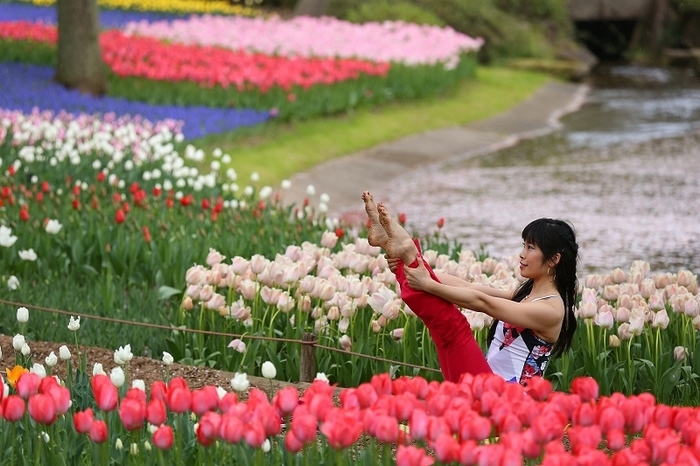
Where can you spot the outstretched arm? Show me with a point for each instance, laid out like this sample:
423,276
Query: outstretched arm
451,280
541,317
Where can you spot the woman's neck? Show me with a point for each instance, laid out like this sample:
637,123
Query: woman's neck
543,287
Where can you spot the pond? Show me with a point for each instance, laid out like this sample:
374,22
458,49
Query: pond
624,170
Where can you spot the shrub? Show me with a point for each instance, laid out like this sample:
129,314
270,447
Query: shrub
387,10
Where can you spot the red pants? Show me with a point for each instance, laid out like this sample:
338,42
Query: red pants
458,352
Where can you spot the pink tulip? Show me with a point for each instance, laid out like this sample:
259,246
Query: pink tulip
98,431
82,421
163,437
42,409
132,413
28,384
13,408
156,412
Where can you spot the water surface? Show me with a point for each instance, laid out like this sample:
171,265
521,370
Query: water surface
624,170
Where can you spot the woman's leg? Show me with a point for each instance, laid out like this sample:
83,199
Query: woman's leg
458,351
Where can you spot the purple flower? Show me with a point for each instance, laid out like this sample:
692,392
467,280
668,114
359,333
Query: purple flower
28,87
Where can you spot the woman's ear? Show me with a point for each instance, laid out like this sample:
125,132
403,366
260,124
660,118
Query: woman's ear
554,260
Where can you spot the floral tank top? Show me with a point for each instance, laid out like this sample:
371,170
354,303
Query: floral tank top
517,354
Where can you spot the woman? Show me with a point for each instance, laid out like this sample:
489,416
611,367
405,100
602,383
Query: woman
531,325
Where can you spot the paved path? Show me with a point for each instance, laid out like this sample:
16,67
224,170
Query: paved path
344,178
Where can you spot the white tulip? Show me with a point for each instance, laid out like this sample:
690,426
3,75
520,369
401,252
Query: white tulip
118,444
6,237
268,370
140,384
286,184
17,342
53,227
117,376
22,315
64,353
239,382
26,351
12,283
39,370
28,255
254,176
97,369
74,324
265,447
123,355
310,190
167,358
51,359
321,376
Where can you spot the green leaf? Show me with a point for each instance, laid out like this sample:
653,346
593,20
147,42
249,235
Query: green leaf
167,292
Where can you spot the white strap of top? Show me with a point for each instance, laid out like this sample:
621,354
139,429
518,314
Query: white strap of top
546,297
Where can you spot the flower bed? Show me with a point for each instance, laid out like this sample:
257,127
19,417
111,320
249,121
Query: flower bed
29,87
108,18
404,421
148,70
170,6
405,43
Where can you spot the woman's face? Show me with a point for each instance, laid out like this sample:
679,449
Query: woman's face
532,264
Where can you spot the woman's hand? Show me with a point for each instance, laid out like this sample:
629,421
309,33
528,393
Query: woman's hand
394,263
418,278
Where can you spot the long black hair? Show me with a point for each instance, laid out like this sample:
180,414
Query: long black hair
552,237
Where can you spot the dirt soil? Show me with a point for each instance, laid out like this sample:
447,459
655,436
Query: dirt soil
147,369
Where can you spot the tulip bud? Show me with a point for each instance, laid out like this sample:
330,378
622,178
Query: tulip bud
97,369
679,353
22,315
26,351
117,376
50,360
187,303
134,449
268,370
74,324
345,342
64,353
18,342
614,341
167,358
265,447
118,444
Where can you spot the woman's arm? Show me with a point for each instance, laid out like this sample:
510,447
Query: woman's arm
539,316
451,280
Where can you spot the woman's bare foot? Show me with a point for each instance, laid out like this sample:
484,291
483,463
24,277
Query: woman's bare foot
399,243
376,236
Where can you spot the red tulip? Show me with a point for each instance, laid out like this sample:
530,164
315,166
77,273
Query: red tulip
441,222
366,395
76,190
98,431
146,234
100,177
616,440
419,424
61,398
611,419
106,395
13,408
179,400
42,409
169,203
119,217
254,435
132,413
539,388
156,191
45,187
304,425
136,394
585,387
584,437
342,428
402,218
208,429
231,428
268,418
28,384
159,390
228,402
200,402
39,197
292,444
24,213
584,415
446,449
286,400
83,420
156,412
163,437
385,428
412,456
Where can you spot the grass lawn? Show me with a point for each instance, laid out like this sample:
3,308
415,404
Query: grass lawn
277,151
